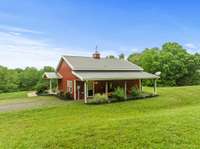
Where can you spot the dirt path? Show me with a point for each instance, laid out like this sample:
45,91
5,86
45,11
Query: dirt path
29,104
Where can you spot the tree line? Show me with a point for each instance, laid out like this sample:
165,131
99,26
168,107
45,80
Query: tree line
177,67
18,79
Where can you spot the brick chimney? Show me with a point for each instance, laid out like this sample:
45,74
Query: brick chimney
96,55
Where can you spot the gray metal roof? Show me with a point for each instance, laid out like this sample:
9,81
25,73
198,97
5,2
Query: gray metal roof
52,75
116,75
89,63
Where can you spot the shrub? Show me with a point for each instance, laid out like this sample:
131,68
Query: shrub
135,91
68,95
99,98
41,88
65,96
119,93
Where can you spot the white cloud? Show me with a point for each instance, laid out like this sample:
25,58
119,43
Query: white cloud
18,50
192,48
18,29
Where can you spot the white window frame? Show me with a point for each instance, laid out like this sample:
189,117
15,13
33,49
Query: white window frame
69,86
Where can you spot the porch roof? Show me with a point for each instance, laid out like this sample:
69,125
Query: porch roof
52,75
88,75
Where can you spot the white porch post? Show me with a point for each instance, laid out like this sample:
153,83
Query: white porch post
155,87
85,91
78,87
93,88
74,89
140,85
125,89
57,86
106,89
50,86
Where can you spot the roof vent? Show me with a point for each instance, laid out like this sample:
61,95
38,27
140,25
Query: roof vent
96,55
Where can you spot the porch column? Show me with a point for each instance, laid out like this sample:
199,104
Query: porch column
57,86
93,88
50,86
85,91
106,89
140,85
125,89
74,89
155,87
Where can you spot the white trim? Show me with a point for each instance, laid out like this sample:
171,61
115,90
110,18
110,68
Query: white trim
77,75
59,75
78,88
70,65
74,89
47,75
93,85
125,90
50,86
66,61
109,79
59,64
85,92
140,85
106,89
70,86
155,87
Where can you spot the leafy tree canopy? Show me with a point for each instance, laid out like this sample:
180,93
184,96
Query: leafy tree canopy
177,66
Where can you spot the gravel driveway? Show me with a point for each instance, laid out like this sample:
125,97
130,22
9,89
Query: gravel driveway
29,104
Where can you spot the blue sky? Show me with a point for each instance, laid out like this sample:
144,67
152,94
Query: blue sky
37,33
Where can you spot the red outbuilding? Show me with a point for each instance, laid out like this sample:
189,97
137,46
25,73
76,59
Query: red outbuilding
83,77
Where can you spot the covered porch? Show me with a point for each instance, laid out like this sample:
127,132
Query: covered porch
52,77
92,83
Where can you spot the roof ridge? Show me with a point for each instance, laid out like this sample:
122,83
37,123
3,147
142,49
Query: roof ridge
89,63
76,56
94,58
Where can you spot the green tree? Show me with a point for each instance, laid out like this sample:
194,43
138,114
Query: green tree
177,66
122,56
29,78
135,58
8,80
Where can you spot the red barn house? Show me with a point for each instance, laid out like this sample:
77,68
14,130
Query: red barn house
83,77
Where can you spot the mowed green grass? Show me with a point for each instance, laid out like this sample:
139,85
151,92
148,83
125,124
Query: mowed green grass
13,95
171,120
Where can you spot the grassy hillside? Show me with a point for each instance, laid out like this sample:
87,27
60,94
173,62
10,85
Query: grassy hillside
171,120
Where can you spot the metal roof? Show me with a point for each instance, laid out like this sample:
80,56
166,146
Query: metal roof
52,75
116,75
89,63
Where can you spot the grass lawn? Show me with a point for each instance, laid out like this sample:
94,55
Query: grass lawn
171,120
5,96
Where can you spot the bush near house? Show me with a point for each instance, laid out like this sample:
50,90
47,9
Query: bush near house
41,87
119,94
135,91
64,96
98,99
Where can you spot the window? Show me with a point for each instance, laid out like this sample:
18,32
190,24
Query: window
69,86
90,88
